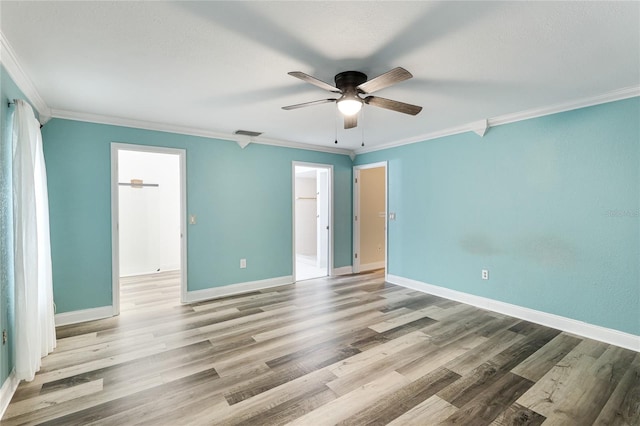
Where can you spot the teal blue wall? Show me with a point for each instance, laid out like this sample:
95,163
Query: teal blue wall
242,199
8,91
549,205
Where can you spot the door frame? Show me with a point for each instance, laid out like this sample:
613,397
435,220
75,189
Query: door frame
115,213
329,168
356,214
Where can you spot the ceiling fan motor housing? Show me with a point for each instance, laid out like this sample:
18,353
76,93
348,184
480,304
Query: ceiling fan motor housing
349,79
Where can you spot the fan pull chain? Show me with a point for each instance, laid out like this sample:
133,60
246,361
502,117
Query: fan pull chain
335,122
362,125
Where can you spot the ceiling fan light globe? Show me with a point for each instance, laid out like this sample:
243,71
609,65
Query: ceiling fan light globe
349,106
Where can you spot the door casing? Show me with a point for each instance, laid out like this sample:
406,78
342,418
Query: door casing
329,168
115,209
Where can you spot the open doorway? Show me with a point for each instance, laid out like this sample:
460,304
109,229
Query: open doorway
312,220
148,205
370,217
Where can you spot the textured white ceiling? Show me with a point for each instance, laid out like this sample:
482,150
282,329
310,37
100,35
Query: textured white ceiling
222,66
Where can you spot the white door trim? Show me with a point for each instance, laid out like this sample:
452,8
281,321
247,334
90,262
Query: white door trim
115,239
356,214
329,167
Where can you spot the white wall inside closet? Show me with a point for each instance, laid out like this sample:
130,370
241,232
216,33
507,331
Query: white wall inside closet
149,217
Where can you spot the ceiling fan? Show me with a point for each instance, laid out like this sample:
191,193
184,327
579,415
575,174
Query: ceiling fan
351,84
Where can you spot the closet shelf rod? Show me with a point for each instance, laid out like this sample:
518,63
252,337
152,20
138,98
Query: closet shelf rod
137,184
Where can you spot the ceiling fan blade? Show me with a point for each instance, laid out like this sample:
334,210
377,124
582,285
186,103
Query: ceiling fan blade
321,84
350,121
387,79
306,104
393,105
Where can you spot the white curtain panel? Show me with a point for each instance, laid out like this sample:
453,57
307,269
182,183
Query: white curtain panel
34,309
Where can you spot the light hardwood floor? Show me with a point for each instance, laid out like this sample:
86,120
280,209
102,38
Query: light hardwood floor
348,350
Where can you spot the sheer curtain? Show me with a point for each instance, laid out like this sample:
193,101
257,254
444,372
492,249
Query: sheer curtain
34,313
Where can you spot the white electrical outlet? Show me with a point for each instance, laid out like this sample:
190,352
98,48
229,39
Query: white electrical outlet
485,274
243,263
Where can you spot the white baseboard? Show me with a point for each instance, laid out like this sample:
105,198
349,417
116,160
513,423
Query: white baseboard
596,332
6,392
83,315
228,290
371,266
343,270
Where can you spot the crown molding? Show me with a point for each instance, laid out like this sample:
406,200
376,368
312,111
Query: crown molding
615,95
138,124
299,145
185,130
420,138
10,62
479,127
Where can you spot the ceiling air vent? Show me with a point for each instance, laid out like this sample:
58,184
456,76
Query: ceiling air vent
248,133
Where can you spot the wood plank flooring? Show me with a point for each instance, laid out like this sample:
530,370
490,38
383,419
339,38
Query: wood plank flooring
352,350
